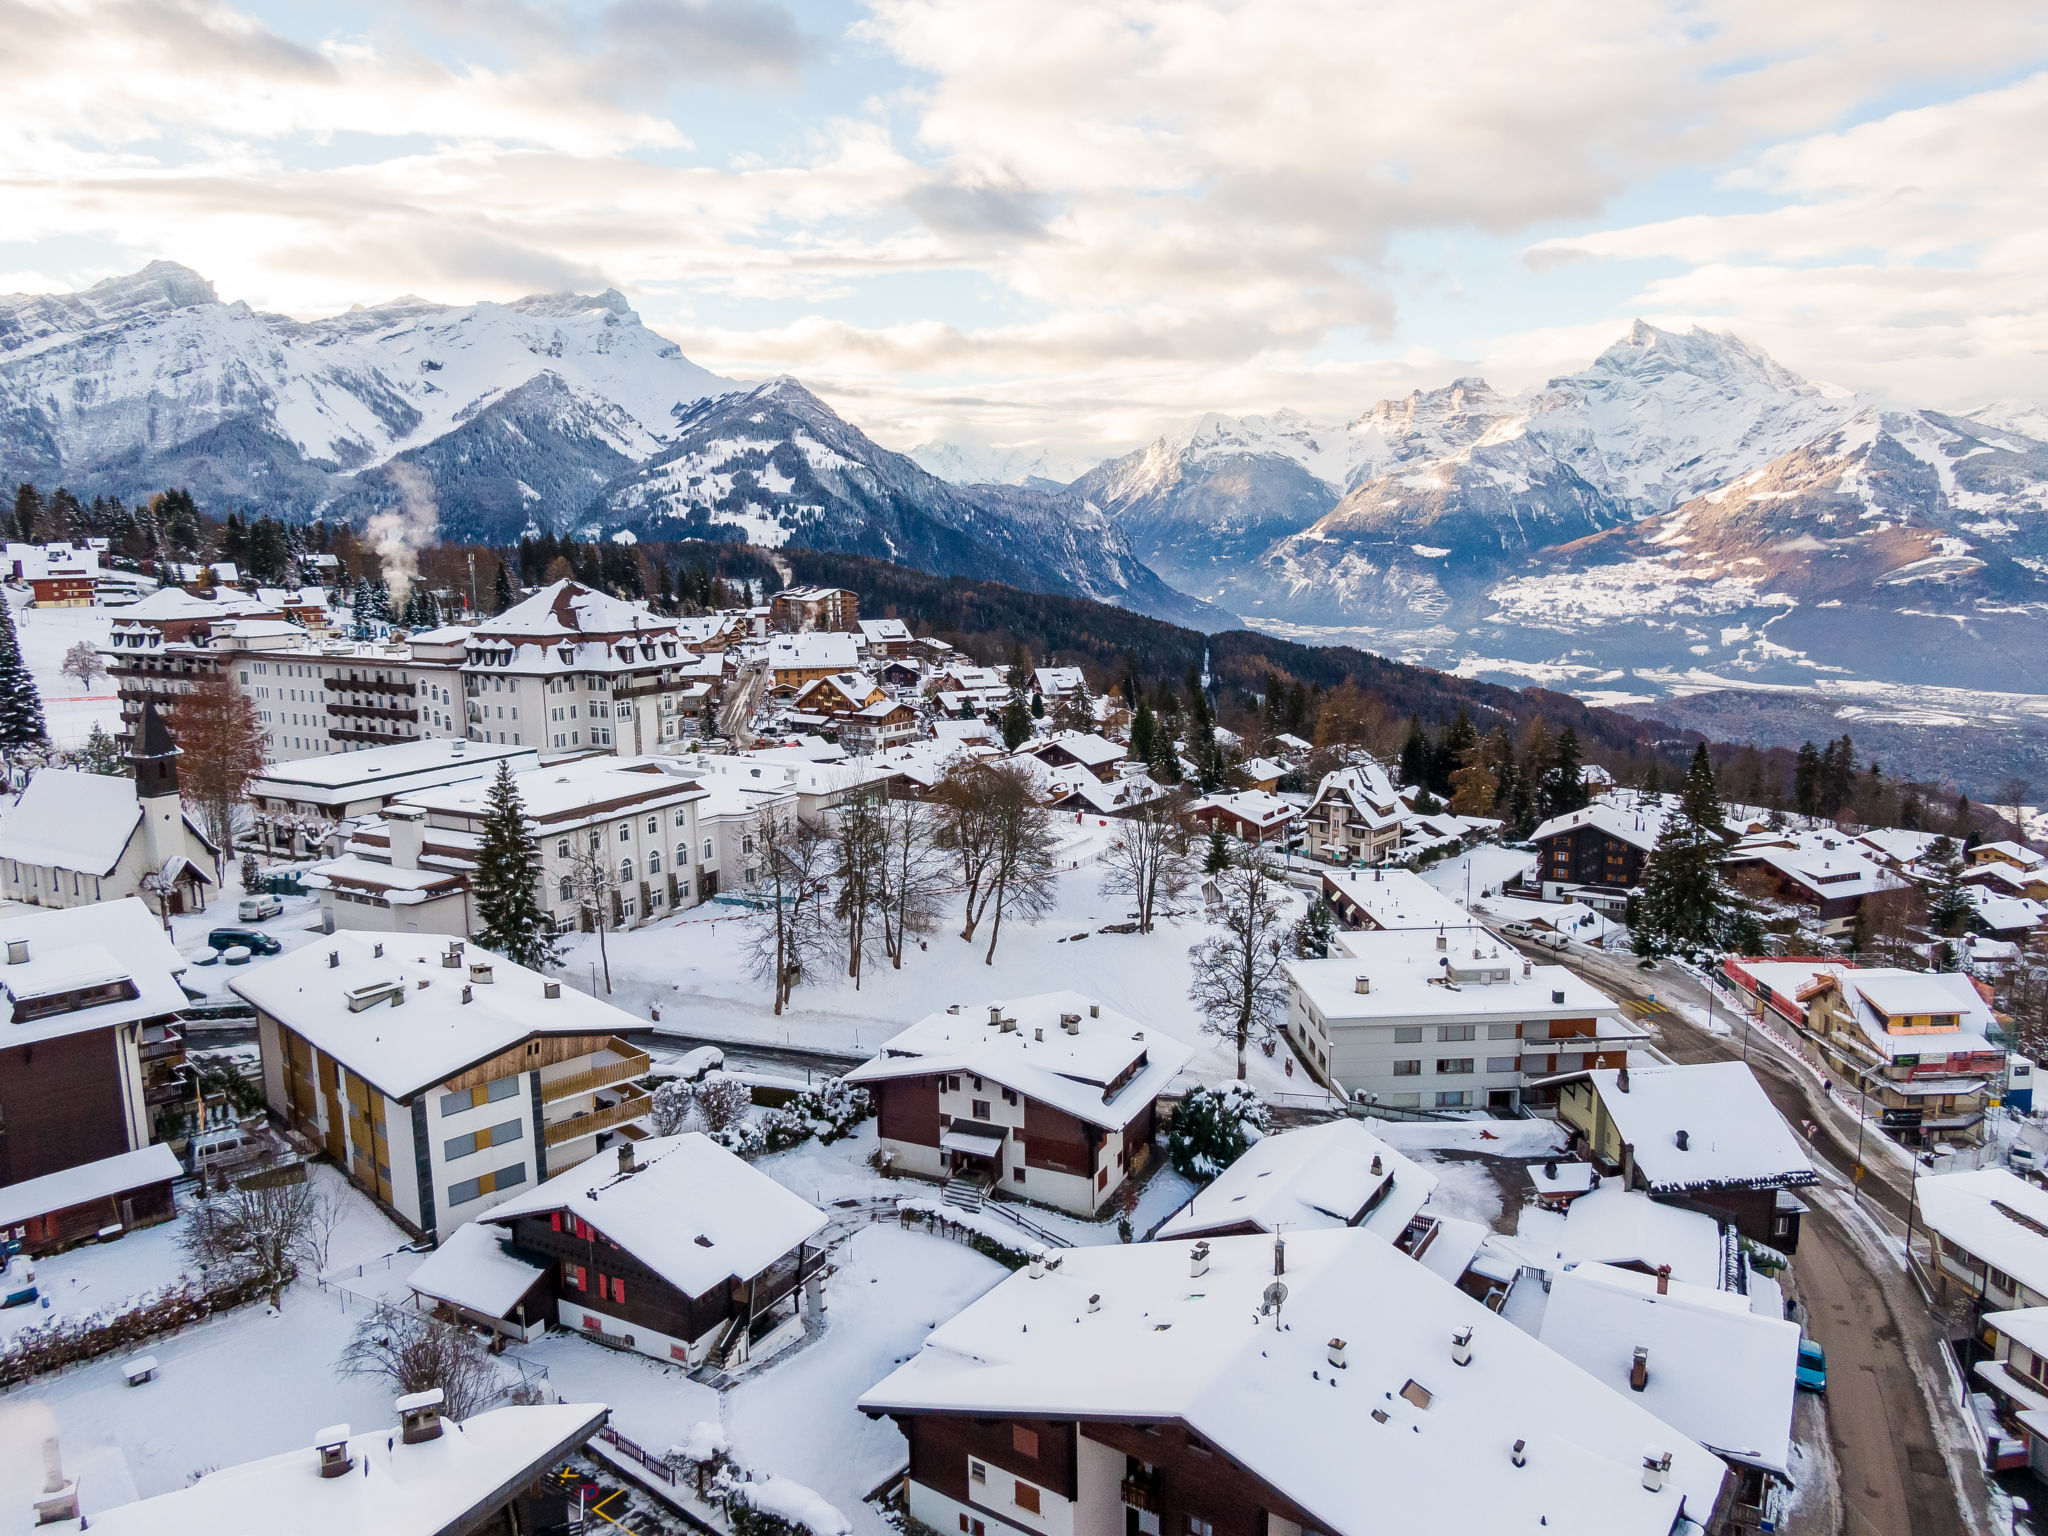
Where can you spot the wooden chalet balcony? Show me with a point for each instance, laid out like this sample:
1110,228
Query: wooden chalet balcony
616,1063
159,1041
1142,1493
633,1103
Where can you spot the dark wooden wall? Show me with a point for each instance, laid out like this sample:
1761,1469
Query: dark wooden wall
60,1104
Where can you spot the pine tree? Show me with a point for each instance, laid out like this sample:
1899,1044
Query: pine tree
501,589
1217,859
28,512
511,920
100,754
1144,732
1564,786
1015,722
1684,905
1416,757
21,707
1949,907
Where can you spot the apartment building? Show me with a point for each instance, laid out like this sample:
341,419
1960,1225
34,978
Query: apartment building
1422,1019
439,1077
1355,817
795,610
570,670
1921,1044
297,804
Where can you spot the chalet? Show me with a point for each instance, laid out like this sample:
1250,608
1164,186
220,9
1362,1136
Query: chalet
1242,1386
878,726
798,659
2005,851
2015,1375
475,1278
1988,1234
1075,749
885,638
114,1195
494,1474
1628,1229
492,1079
839,694
1249,815
92,1056
1445,1019
76,838
1333,1175
1895,847
1086,795
2002,878
57,575
683,1252
1264,773
1051,1098
1354,818
796,610
1702,1136
390,879
713,633
1390,900
1826,877
1600,851
1055,683
897,673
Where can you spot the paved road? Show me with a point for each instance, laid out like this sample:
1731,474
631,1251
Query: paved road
1880,1338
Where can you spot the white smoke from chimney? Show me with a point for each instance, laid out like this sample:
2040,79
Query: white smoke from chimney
399,536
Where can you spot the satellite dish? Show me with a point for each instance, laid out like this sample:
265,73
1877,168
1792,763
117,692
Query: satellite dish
1276,1293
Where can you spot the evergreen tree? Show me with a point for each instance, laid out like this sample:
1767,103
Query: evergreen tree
28,512
1297,708
1564,786
1416,758
21,706
1949,907
361,606
501,586
1806,781
100,754
1144,731
1684,905
1015,722
1314,930
1217,859
510,919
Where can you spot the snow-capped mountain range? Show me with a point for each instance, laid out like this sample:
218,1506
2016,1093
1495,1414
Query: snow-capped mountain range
559,412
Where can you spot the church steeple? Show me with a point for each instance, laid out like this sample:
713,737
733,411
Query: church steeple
156,760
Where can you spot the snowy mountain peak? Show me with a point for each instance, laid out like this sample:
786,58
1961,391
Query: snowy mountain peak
1648,352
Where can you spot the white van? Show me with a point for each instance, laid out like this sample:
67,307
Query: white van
254,909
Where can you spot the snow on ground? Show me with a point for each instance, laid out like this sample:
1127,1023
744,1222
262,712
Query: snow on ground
1467,1188
694,969
46,634
1499,1138
1489,866
247,1384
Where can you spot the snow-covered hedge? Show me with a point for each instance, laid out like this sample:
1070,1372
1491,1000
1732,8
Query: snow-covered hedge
986,1235
1213,1128
776,1506
67,1341
829,1111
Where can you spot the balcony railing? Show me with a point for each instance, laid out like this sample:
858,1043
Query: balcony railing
1142,1493
617,1063
157,1043
633,1103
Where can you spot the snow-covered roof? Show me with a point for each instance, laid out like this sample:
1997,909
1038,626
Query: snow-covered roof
2023,1325
432,1034
1826,874
1993,1215
1883,998
1106,1071
1124,1332
690,1211
1119,794
173,603
885,631
1475,975
1613,1225
2006,850
569,792
1734,1135
567,608
1563,1177
473,1268
1084,747
1262,768
387,771
1366,790
818,648
1059,680
74,947
1896,844
2007,914
1718,1372
1254,806
70,819
1317,1176
1294,744
99,1180
398,887
423,1489
1395,898
1638,827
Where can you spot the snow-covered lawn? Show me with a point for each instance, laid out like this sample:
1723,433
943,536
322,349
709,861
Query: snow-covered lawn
1489,867
247,1384
46,634
694,969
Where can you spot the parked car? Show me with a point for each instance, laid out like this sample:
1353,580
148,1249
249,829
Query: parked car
1812,1373
1553,941
254,909
1519,930
248,938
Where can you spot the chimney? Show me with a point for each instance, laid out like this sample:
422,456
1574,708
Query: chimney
1663,1279
551,989
1550,1169
407,830
1279,1254
1461,1346
1095,1010
332,1444
1361,984
377,951
1527,967
333,959
1621,1078
1376,1165
453,958
59,1498
1198,1261
1071,1023
1656,1462
1520,1454
17,951
1442,943
995,1013
1639,1369
626,1157
480,972
1095,1301
1008,1026
419,1416
1038,1033
1335,1354
468,993
1682,1140
1037,1266
1557,997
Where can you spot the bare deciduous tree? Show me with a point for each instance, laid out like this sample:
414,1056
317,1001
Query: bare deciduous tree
83,663
913,877
786,935
966,830
417,1353
1238,984
220,750
596,886
1022,876
857,860
1150,856
278,1229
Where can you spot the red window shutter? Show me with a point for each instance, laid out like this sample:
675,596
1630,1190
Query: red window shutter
555,1221
619,1292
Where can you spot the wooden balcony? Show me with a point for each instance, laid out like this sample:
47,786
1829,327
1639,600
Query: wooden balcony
1142,1493
616,1063
633,1103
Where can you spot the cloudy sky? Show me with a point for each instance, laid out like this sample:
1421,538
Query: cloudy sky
1024,222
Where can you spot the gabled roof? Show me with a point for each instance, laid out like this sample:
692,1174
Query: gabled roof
1992,1215
1366,790
153,1164
1125,1332
1256,806
1084,747
1039,1058
74,947
568,608
1300,1180
1637,828
690,1211
1718,1372
70,819
1734,1135
815,648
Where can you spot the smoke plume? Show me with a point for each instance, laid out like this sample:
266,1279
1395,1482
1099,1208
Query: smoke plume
399,536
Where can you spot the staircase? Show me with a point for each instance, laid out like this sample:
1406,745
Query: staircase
965,1192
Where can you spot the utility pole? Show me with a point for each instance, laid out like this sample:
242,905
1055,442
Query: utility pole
472,581
1862,1098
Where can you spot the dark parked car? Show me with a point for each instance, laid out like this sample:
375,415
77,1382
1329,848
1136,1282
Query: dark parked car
255,943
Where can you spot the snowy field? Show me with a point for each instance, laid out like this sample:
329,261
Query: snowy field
46,634
694,970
